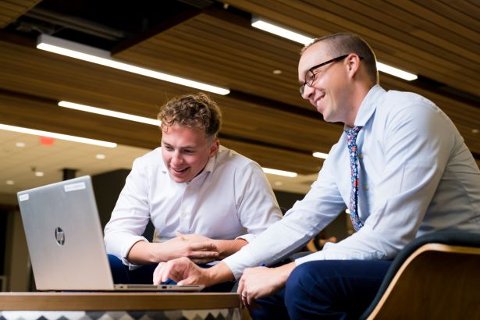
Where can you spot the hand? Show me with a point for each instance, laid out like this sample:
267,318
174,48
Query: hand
261,281
181,270
223,247
196,247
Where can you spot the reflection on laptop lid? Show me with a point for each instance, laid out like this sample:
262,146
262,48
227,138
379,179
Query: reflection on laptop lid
65,239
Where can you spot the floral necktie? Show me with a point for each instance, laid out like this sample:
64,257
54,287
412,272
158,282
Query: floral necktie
352,148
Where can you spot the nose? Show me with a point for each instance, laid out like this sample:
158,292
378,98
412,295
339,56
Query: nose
177,158
307,92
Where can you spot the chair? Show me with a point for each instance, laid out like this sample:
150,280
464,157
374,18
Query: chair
437,276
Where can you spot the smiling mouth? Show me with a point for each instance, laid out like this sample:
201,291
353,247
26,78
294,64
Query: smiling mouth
319,98
179,171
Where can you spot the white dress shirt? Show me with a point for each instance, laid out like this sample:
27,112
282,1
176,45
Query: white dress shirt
416,176
230,198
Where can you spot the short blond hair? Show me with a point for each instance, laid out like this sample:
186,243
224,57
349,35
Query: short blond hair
345,43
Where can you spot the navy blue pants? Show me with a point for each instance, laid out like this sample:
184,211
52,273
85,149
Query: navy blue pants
121,273
329,289
144,275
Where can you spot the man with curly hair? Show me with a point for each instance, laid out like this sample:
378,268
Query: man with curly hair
204,200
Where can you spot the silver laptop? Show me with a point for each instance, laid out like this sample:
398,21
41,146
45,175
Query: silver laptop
65,240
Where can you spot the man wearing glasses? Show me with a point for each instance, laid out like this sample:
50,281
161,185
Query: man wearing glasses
400,167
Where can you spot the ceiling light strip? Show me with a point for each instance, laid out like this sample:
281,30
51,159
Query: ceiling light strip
305,40
58,136
280,172
109,113
320,155
281,31
399,73
102,57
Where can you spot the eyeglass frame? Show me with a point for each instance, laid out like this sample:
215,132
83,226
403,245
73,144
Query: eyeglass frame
302,87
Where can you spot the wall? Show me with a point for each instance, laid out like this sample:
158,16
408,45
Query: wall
16,264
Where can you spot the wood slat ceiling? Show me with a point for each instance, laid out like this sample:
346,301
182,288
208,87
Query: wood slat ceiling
10,10
246,58
437,39
265,118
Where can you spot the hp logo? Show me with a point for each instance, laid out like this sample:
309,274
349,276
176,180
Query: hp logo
60,236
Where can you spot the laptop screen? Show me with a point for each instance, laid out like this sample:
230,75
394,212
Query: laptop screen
64,236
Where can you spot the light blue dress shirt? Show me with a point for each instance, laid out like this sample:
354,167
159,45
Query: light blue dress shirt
416,176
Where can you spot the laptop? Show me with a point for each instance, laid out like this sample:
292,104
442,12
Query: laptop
65,240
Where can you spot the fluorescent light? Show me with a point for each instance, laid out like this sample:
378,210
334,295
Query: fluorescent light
39,173
109,113
303,39
396,72
280,172
280,31
58,136
102,57
320,155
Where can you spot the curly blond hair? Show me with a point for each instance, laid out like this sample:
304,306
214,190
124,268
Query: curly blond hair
194,111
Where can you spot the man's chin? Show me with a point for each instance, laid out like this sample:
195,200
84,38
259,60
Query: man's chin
182,177
326,117
329,116
320,108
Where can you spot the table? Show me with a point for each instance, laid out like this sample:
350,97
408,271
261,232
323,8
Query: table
119,305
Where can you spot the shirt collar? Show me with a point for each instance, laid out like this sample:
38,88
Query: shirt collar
368,106
210,164
209,167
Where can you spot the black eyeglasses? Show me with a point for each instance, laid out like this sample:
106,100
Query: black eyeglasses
310,75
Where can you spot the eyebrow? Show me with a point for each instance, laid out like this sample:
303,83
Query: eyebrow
311,69
182,148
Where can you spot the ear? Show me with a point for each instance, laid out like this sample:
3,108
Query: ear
214,147
353,64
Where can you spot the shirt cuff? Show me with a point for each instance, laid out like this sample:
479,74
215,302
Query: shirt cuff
127,246
310,257
235,269
247,237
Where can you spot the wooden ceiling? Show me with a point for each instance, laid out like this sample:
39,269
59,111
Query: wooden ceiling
264,116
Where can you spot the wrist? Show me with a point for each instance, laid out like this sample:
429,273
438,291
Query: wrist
142,252
217,274
228,247
154,253
285,271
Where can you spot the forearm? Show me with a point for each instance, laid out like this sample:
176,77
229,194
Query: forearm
229,247
217,274
143,252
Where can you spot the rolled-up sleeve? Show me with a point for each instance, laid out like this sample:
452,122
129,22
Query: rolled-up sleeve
257,207
130,215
